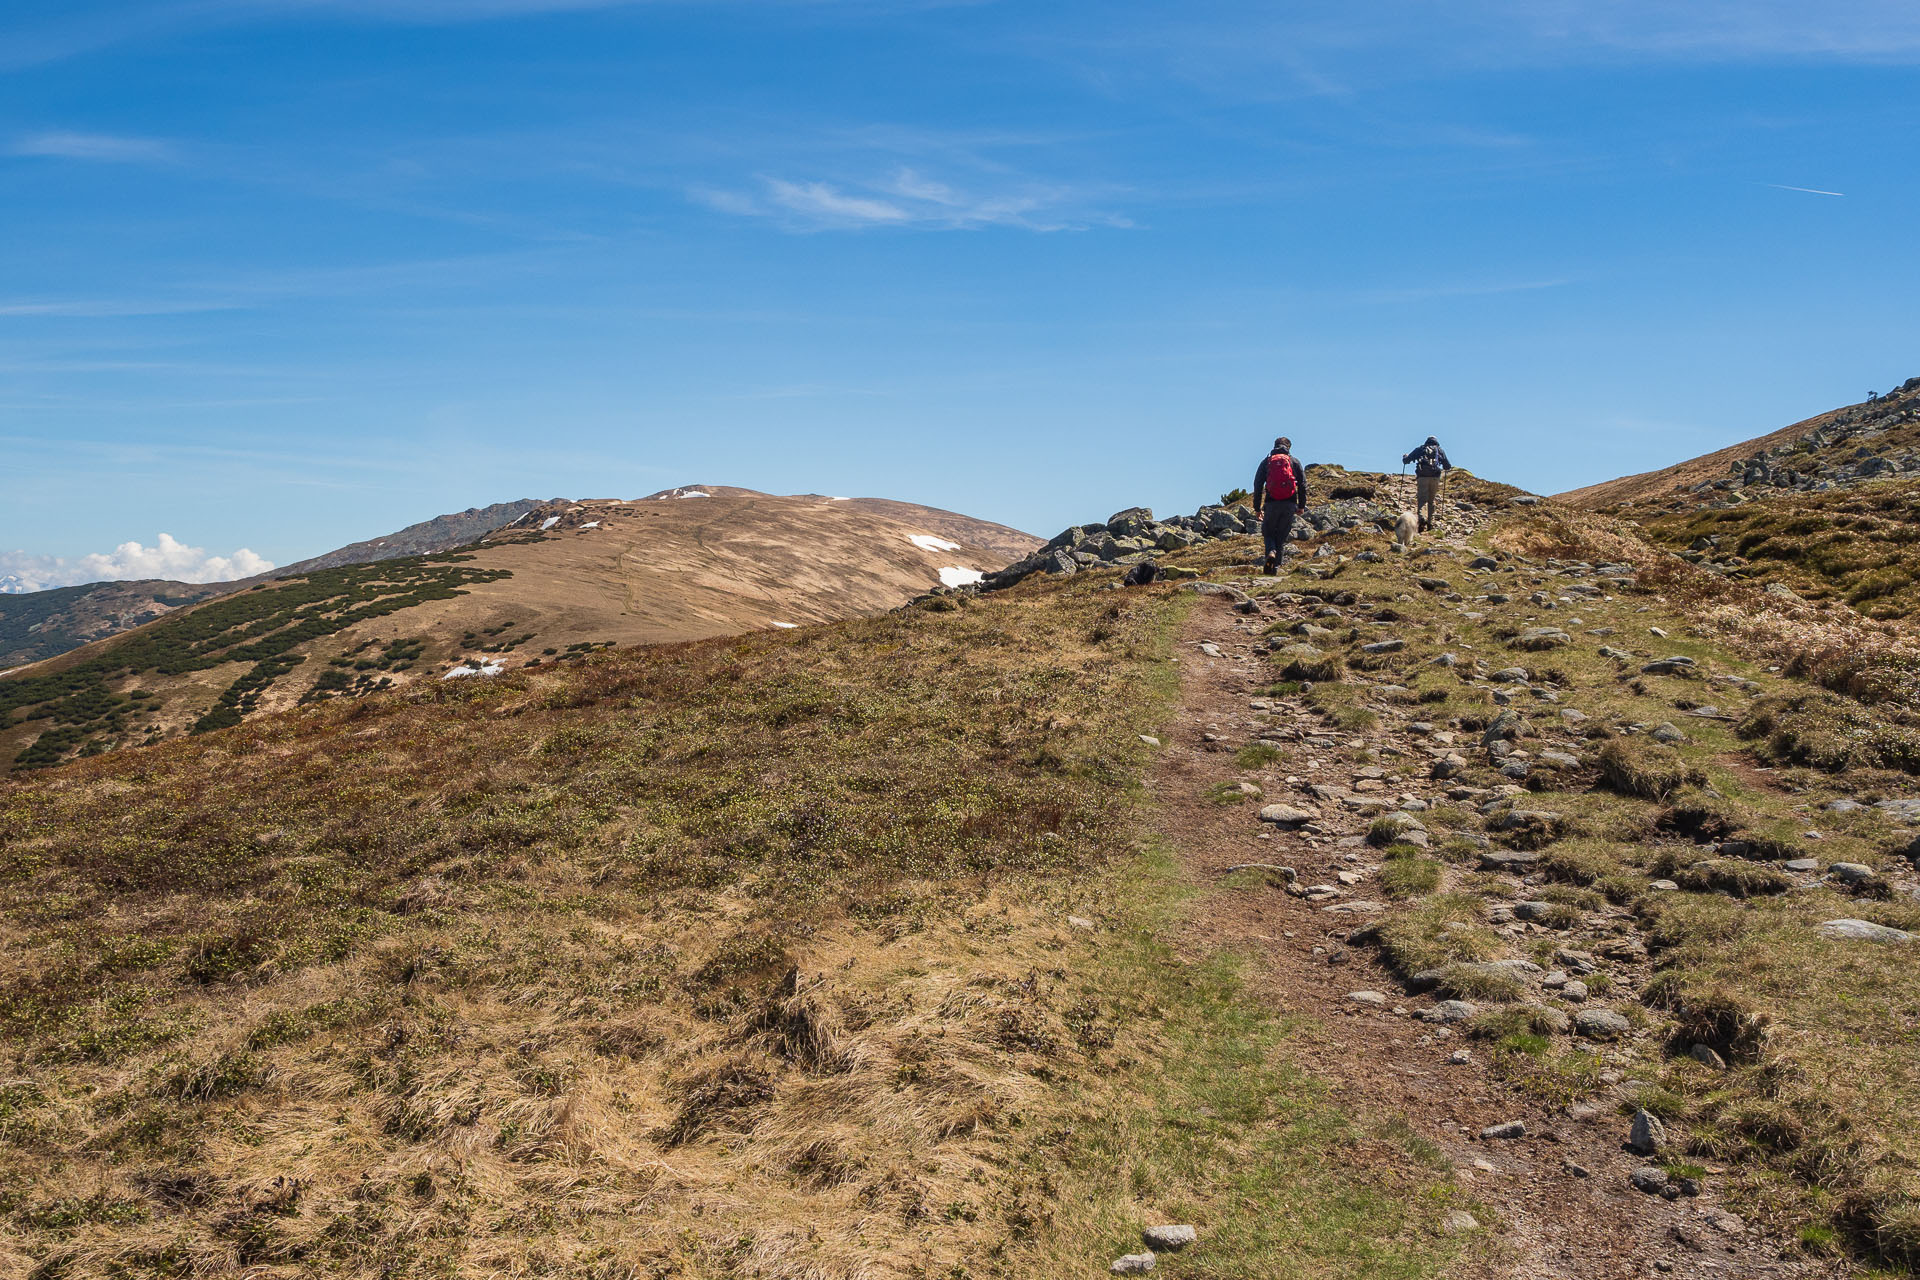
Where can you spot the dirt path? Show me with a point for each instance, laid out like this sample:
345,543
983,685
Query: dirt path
1560,1199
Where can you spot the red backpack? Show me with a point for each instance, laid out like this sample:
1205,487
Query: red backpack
1280,478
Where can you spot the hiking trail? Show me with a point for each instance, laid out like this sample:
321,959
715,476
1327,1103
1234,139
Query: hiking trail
1560,1199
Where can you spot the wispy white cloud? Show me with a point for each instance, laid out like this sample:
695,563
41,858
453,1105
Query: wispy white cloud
1812,191
84,26
1440,292
1240,50
168,558
108,308
819,200
909,199
1870,30
62,144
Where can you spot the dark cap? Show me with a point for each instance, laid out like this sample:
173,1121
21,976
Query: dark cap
1433,439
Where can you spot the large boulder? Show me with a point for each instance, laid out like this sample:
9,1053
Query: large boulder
1863,931
1134,522
1218,521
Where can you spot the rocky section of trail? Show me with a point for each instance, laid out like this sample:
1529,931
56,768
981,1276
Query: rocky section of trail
1387,810
1340,502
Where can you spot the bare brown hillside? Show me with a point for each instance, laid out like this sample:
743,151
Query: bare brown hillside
562,580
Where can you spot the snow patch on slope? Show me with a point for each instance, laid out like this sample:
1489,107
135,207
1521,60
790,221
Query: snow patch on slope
927,542
955,576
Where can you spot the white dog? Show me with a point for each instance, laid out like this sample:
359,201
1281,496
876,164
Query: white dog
1403,531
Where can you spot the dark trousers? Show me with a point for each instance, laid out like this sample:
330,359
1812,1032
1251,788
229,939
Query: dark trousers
1276,526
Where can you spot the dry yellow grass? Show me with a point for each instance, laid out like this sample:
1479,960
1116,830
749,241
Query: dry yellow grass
742,958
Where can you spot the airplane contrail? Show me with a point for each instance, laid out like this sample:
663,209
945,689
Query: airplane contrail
1812,191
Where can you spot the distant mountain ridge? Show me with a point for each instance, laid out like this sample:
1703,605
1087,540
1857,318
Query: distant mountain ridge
560,580
37,625
442,533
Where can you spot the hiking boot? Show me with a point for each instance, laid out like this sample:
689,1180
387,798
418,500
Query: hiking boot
1271,567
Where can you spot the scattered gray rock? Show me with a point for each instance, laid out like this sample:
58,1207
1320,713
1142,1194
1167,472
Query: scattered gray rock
1285,815
1863,931
1132,1264
1540,639
1384,646
1601,1024
1510,1129
1705,1055
1450,1011
1459,1222
1850,872
1648,1179
1169,1239
1367,997
1536,911
1647,1135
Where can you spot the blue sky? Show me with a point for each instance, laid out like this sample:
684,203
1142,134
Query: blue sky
282,274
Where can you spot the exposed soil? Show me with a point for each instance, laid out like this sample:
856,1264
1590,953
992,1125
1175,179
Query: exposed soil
1559,1200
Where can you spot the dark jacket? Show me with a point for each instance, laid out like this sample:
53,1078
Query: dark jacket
1433,460
1260,483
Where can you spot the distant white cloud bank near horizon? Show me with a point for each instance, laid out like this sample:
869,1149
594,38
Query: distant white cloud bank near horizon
168,558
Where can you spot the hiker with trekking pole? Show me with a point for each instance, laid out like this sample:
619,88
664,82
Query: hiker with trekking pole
1279,491
1430,466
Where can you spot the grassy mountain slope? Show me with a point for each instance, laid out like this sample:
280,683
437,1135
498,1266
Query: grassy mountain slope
1859,546
849,952
748,957
1828,509
1674,871
37,625
565,579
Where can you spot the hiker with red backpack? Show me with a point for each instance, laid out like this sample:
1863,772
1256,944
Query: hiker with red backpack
1279,491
